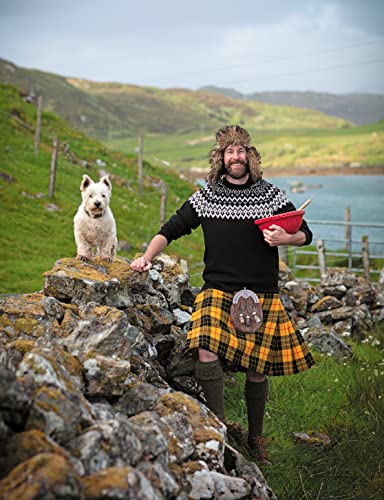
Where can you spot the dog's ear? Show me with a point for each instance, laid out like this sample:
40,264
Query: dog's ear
106,181
87,181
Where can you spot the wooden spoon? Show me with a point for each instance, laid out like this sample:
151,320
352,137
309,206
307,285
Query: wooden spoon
305,204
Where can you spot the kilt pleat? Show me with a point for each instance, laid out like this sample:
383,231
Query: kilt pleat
278,348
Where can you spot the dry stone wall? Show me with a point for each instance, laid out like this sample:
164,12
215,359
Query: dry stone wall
97,393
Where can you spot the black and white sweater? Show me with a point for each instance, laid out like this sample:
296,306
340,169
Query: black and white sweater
236,255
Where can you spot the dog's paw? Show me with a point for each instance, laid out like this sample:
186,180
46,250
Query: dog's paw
107,259
83,257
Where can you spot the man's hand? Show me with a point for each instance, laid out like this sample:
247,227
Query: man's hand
276,236
141,264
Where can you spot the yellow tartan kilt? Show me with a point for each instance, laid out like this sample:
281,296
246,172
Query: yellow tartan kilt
278,348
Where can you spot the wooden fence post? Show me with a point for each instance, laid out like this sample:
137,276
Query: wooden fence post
321,257
163,202
140,163
52,174
283,253
347,228
38,125
365,256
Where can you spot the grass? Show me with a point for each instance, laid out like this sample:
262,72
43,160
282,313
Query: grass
32,237
345,400
26,252
279,147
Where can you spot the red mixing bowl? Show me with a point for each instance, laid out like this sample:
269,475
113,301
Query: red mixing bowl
290,221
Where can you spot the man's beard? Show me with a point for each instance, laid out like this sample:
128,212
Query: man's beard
236,173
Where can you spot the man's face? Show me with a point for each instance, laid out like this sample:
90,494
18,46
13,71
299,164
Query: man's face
235,161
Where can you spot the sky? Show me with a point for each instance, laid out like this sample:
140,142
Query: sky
331,46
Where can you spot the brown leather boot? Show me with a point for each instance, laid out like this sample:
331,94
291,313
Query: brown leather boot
258,448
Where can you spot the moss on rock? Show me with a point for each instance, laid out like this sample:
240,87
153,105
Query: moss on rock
97,485
96,269
46,475
24,445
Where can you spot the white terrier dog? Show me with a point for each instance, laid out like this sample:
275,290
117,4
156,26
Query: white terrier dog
94,222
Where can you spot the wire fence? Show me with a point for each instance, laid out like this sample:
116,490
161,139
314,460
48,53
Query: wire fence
361,261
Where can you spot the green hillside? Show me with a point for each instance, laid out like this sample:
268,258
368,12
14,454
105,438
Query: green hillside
309,148
178,124
115,110
33,237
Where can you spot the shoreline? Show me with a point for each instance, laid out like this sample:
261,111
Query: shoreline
270,172
322,171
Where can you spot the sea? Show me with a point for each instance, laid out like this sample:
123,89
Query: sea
364,194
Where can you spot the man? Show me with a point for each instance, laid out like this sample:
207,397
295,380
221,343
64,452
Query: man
237,255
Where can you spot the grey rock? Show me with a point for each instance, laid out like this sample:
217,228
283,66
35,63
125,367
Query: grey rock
113,443
361,322
336,279
180,362
187,384
102,410
147,372
364,293
51,367
160,478
326,303
333,315
211,484
164,345
53,308
181,317
238,466
113,284
161,318
150,429
115,483
14,403
59,413
327,342
106,376
342,328
140,397
298,292
286,301
173,279
313,322
46,475
104,330
378,316
180,438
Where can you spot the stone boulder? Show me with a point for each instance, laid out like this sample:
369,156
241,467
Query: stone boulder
325,340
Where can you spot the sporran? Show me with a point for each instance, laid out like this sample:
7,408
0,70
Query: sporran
246,313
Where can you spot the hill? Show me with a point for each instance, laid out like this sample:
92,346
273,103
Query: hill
112,110
357,108
178,124
36,230
284,151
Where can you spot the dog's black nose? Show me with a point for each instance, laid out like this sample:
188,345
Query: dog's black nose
97,204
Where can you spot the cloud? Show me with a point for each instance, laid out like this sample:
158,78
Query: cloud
172,43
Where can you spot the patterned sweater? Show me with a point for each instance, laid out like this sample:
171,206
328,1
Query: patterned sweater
236,255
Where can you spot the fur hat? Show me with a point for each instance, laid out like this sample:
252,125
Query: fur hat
232,134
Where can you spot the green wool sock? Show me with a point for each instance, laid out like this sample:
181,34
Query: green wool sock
256,396
211,378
